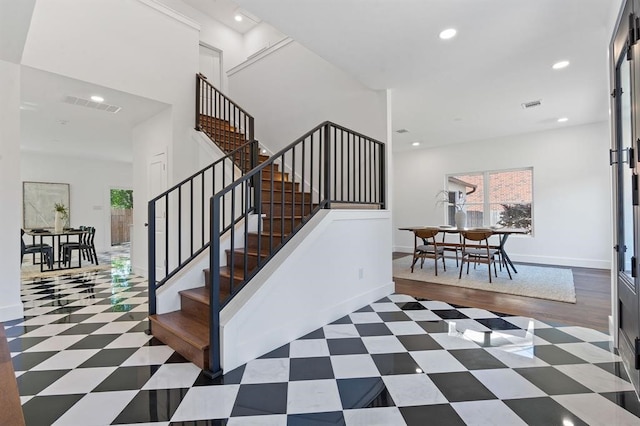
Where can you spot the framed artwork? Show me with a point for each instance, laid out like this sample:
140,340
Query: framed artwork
38,200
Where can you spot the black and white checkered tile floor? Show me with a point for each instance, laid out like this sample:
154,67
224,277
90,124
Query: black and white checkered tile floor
82,358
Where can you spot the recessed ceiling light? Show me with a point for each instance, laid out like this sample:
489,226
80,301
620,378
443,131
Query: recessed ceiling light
560,65
238,17
96,98
563,120
415,144
448,33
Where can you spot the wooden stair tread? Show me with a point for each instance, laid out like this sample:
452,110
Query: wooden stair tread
201,294
252,252
190,329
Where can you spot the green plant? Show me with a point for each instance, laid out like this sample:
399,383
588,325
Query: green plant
62,209
122,198
516,216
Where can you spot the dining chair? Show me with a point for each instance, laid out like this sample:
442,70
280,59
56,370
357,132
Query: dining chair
429,249
68,244
45,250
86,248
456,248
476,249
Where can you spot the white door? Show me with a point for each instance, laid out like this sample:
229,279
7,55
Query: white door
157,185
211,65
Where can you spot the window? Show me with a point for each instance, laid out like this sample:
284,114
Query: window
502,198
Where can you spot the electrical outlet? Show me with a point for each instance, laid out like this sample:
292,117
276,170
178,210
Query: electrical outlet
361,273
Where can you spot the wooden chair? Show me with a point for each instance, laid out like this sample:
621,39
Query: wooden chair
429,248
476,249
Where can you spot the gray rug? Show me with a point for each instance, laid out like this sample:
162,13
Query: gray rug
550,283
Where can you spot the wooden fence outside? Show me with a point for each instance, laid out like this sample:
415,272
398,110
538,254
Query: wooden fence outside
121,219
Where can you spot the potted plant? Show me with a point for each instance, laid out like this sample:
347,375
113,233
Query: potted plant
61,216
457,200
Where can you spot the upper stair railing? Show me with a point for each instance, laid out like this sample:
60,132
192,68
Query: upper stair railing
329,166
220,118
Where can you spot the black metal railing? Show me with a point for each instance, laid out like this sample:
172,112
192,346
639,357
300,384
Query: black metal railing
329,165
179,219
228,125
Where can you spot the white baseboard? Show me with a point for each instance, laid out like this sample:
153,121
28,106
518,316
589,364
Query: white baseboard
11,312
140,271
613,332
543,260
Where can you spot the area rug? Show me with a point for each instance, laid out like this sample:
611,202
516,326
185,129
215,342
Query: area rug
532,281
33,271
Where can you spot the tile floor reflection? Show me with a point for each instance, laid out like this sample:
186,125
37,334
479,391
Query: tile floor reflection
82,358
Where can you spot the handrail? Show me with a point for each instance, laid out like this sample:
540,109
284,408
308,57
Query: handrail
329,164
188,231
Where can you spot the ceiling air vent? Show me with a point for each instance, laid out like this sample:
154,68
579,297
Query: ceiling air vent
402,131
101,106
532,104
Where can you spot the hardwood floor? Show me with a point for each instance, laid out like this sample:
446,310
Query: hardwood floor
11,413
593,294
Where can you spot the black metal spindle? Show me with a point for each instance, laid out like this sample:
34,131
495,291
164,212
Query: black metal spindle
166,242
151,240
202,213
214,293
303,178
191,211
232,265
327,164
179,242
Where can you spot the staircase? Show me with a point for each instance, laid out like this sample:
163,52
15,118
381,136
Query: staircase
328,166
187,330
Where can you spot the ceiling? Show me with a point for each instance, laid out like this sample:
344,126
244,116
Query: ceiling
225,12
50,125
470,87
464,89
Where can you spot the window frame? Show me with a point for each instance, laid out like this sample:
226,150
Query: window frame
486,201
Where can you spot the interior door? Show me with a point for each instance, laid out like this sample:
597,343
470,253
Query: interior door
623,157
211,65
158,184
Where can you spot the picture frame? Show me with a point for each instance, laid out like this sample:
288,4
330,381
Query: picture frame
38,201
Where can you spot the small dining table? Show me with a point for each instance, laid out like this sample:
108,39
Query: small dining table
56,238
502,233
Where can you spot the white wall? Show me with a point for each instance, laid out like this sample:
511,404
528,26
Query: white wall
90,181
215,34
151,137
260,37
571,191
10,209
341,261
292,90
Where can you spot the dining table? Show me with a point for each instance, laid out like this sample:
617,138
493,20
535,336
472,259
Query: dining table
503,234
57,238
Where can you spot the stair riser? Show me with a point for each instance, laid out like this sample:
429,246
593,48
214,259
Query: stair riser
239,261
166,336
280,223
279,185
278,196
265,242
277,176
194,308
277,210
